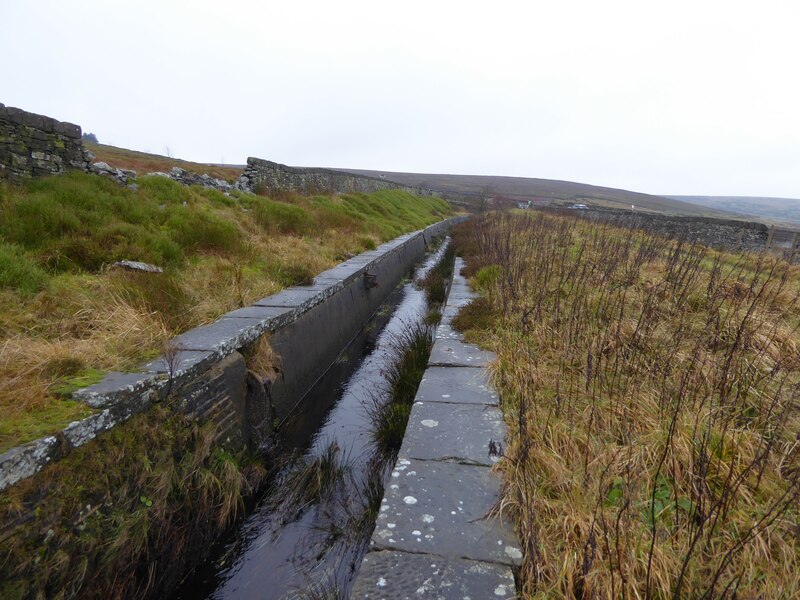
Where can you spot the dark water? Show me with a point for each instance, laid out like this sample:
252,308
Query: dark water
283,550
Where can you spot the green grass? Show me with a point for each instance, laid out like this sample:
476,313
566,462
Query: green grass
18,271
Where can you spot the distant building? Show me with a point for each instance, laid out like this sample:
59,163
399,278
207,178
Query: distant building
579,207
526,204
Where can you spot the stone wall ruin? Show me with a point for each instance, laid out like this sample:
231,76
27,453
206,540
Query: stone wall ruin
34,145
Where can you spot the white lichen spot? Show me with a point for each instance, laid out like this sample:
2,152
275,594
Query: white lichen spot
391,525
394,486
445,395
427,519
500,590
410,473
430,423
410,500
404,462
513,552
395,474
452,512
381,582
416,532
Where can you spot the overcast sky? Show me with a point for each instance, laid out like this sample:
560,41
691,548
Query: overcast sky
679,97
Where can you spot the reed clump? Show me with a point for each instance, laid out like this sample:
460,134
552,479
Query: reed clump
652,392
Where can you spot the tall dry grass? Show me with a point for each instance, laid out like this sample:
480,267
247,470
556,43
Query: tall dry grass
652,393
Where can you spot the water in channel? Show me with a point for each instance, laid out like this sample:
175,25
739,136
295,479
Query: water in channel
310,531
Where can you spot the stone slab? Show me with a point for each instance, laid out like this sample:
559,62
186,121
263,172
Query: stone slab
184,362
453,353
446,332
442,508
23,461
294,297
223,336
403,576
134,389
339,272
456,384
258,312
273,317
456,432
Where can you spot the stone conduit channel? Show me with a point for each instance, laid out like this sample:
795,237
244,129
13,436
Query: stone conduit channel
434,537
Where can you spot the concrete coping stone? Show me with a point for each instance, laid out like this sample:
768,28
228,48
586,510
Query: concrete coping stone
133,388
273,317
27,460
224,336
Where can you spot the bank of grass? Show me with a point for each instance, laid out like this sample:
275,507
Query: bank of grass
146,162
650,389
68,316
125,516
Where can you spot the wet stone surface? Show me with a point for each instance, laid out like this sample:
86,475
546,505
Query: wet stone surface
259,312
399,576
453,353
434,537
295,297
223,337
443,508
454,432
183,362
455,384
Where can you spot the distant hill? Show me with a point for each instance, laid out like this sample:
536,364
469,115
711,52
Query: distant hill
543,191
785,210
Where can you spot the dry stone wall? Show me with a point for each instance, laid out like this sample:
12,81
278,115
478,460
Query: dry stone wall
270,177
34,145
716,233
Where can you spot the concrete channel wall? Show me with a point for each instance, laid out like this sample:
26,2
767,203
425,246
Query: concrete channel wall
206,369
436,534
